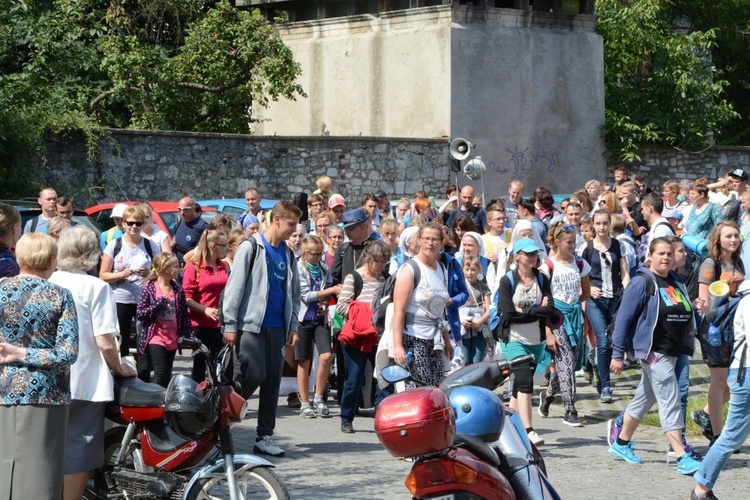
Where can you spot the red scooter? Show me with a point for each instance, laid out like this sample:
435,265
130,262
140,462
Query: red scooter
490,457
165,434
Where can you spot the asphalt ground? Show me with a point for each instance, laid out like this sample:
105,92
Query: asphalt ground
323,462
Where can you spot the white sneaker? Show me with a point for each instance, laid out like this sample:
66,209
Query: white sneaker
266,446
536,438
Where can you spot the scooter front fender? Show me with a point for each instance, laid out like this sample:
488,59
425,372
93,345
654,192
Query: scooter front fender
217,464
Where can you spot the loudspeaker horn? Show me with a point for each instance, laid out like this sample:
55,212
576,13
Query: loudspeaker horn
475,168
460,148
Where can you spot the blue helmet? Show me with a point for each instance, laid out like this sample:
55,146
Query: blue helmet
479,412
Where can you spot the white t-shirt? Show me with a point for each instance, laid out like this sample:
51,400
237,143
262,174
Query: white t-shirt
660,227
90,378
427,302
158,237
566,279
128,290
524,296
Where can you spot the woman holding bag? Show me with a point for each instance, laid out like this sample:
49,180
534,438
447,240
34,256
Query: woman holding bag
358,338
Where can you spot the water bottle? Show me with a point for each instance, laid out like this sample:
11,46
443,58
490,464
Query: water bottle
714,336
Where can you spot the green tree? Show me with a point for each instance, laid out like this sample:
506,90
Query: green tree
83,65
658,81
730,20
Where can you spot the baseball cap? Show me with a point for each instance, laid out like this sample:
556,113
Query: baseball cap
525,245
117,210
336,200
739,173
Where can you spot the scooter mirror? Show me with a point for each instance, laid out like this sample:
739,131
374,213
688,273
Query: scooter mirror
395,373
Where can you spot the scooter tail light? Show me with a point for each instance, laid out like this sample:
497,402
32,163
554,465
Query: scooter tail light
464,474
436,472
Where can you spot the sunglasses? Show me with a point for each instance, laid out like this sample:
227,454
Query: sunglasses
605,258
136,223
186,209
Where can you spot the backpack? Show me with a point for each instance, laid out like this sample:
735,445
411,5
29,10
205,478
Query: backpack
384,295
721,318
642,249
731,210
496,320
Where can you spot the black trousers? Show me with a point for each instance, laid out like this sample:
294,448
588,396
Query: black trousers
211,338
125,315
160,360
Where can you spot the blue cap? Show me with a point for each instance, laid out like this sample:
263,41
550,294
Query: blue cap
525,245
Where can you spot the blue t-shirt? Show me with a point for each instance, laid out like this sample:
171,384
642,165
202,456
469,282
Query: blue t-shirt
187,234
278,267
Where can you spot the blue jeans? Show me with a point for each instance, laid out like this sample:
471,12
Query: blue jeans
474,349
736,429
600,312
682,372
355,361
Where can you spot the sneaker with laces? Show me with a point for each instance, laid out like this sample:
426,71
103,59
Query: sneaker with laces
709,496
701,418
687,465
347,428
606,396
613,431
571,419
535,438
624,452
688,449
544,402
307,411
322,409
265,446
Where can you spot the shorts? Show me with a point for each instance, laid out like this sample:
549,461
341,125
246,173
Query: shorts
310,332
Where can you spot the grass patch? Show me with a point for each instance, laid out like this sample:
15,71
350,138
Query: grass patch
694,403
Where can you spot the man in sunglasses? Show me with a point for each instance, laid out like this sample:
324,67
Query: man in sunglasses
188,230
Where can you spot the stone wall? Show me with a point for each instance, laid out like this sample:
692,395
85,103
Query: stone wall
662,164
168,165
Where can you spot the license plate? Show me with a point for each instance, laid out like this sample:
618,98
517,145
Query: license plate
444,497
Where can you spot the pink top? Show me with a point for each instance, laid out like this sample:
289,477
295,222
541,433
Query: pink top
165,326
205,288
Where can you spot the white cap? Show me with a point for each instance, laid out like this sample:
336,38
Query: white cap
118,209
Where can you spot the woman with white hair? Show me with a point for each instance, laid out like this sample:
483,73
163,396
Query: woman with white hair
91,383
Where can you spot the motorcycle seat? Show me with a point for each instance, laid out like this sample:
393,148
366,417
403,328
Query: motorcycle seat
478,448
137,393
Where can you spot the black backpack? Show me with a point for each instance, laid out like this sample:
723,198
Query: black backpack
146,244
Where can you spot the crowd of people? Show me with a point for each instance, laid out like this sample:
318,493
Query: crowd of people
614,275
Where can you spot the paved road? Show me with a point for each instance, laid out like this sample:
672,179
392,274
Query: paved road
322,462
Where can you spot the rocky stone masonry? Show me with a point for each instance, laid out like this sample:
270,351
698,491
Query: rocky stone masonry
168,165
662,164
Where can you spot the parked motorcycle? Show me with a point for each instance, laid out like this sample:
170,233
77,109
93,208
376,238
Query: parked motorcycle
465,443
158,450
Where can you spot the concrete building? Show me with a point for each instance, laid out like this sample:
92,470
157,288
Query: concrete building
524,84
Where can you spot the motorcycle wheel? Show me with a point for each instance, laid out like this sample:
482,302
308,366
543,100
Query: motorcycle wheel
259,482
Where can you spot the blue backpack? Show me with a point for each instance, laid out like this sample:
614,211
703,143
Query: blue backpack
496,315
723,319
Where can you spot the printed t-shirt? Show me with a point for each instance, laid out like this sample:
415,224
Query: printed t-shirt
278,267
523,297
129,289
566,279
674,318
427,301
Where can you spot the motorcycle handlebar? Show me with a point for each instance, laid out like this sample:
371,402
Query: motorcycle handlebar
529,358
505,364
